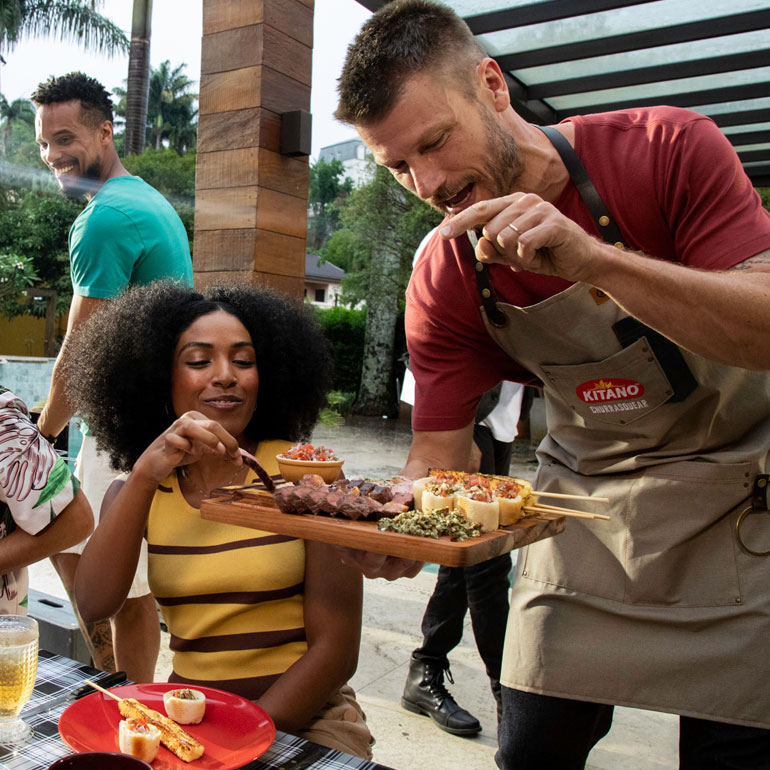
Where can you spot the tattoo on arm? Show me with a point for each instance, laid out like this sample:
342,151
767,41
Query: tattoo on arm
759,262
100,643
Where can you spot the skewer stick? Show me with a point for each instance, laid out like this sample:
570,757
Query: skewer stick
572,497
102,689
563,512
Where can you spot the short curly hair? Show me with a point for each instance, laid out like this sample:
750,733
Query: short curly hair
403,38
118,363
95,102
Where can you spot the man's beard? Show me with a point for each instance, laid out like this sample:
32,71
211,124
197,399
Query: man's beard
501,171
83,185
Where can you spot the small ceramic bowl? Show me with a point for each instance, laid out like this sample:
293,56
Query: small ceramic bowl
99,760
294,470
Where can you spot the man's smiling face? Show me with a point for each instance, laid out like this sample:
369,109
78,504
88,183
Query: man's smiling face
444,146
73,150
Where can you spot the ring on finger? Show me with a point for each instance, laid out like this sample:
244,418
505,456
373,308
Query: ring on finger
514,228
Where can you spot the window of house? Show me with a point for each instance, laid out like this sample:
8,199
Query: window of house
320,295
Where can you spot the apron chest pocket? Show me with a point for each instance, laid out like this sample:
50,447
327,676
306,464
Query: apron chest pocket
619,390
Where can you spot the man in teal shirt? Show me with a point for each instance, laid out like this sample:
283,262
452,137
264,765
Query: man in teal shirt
127,234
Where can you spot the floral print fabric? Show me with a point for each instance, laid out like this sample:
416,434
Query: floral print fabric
35,486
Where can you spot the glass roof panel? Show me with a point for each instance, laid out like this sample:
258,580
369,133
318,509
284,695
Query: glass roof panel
729,130
750,147
648,57
475,7
616,22
650,90
725,108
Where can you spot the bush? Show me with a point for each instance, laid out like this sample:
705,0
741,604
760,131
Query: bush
344,328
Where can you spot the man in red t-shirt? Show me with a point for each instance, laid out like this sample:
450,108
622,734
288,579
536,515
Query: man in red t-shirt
621,261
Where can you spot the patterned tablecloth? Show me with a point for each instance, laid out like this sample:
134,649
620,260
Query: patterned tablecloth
57,674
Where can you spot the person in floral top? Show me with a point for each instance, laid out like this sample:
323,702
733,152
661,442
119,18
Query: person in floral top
42,508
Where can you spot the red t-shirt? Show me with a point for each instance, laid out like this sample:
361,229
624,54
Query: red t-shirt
678,192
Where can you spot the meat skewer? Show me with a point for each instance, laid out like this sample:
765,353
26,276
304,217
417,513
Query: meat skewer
253,463
172,736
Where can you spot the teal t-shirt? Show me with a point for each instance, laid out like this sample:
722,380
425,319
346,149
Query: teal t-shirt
127,234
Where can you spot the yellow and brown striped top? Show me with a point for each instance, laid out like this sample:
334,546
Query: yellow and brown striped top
232,597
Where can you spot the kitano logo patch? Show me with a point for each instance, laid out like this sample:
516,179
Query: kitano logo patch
605,391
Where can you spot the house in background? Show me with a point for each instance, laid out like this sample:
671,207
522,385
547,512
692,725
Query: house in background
355,158
323,283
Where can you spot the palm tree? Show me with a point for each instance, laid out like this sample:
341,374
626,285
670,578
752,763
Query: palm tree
171,108
138,83
71,20
18,111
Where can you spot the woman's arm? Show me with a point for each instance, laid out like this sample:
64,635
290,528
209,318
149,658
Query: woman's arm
333,605
108,563
73,524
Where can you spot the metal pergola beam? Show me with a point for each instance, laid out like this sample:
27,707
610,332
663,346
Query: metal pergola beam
655,74
633,41
550,10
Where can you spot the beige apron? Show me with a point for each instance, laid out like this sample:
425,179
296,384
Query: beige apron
658,608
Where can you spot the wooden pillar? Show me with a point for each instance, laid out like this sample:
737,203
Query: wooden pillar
251,201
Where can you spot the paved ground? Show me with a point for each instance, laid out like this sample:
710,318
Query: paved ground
639,740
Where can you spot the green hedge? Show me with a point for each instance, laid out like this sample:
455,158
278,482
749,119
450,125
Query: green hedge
344,328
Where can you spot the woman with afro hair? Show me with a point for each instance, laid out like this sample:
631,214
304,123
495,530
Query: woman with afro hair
172,383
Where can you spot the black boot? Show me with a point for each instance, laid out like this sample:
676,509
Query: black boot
424,693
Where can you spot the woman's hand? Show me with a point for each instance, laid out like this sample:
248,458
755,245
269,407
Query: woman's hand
187,439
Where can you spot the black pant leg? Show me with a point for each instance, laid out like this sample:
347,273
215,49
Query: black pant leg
540,732
708,745
442,623
487,585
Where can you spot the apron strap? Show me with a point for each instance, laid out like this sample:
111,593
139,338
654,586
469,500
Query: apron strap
486,290
590,195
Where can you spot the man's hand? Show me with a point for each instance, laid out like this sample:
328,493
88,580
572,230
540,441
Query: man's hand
378,565
526,233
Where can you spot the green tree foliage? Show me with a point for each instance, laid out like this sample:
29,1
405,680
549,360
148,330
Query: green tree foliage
18,111
344,328
173,176
16,274
17,135
171,109
71,20
326,191
381,226
34,226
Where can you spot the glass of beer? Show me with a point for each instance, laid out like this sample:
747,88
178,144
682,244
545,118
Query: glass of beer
18,668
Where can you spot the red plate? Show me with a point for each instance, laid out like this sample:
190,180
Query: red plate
234,730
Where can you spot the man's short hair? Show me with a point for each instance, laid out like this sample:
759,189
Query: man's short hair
401,39
95,102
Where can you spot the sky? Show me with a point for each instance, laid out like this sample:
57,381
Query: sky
176,36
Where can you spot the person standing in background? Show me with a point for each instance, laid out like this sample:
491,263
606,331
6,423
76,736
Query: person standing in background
127,234
481,588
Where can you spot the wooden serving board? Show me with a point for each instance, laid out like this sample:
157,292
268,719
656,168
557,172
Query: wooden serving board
365,536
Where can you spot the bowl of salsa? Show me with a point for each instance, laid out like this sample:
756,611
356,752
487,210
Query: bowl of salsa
304,458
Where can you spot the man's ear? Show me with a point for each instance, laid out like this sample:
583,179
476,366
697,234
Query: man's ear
492,83
105,131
